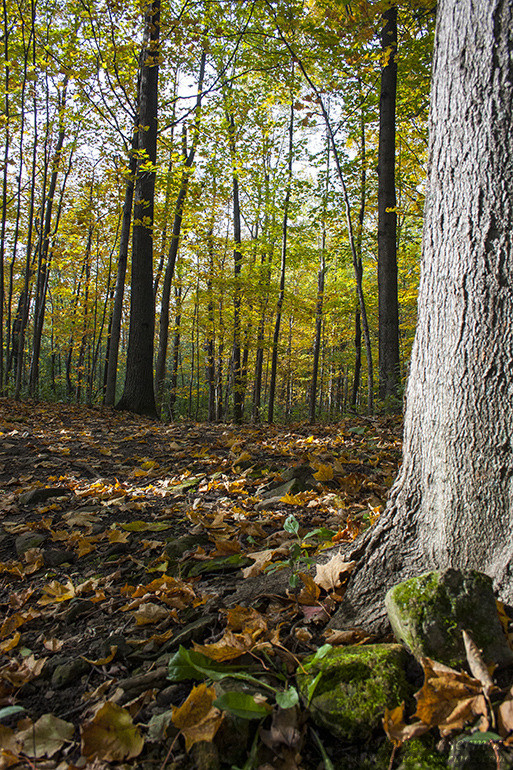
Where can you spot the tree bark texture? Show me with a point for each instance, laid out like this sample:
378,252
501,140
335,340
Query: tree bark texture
452,504
138,394
388,303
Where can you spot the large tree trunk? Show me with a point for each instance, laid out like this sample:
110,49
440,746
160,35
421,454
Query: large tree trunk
452,504
138,394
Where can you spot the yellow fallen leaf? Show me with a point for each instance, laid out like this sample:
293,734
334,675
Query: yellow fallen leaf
11,643
197,718
111,735
57,592
45,737
324,473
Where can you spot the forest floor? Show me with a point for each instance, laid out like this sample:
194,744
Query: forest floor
122,539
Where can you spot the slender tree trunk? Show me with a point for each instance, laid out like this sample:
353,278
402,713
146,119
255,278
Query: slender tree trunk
451,505
44,256
210,344
283,266
138,394
388,304
238,400
357,358
318,329
160,368
119,293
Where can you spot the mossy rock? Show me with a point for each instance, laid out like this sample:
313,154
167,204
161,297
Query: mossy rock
428,613
421,754
355,686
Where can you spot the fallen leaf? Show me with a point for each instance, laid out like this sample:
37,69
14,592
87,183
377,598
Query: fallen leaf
328,575
111,735
476,663
46,736
448,698
150,613
57,592
197,718
396,729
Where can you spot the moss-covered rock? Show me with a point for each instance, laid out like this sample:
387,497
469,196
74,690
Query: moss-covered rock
421,754
428,614
354,687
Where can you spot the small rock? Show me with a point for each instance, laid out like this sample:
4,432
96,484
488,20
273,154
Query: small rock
429,613
68,673
77,608
54,557
28,540
173,695
41,494
286,488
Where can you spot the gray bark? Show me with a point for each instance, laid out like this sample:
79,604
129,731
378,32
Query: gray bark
452,504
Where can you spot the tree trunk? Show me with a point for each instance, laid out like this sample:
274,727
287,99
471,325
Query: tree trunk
283,265
119,293
238,387
387,217
451,505
138,394
160,369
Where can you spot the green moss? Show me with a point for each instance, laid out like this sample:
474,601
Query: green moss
421,754
355,686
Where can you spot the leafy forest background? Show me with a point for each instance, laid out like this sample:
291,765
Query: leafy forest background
260,241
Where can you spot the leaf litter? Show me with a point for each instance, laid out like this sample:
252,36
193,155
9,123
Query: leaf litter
125,546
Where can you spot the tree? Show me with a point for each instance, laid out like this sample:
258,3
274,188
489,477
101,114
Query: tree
388,326
451,505
138,394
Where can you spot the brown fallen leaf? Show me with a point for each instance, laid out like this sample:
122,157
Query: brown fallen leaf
111,735
505,715
349,636
448,698
476,663
328,575
396,728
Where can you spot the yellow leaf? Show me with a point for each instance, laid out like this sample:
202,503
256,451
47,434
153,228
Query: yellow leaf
57,592
111,735
46,736
324,473
197,718
11,643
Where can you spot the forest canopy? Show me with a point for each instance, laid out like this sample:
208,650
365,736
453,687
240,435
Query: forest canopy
264,210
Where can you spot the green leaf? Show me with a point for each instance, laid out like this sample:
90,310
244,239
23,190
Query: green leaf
242,705
312,687
481,737
288,698
188,664
10,710
291,524
319,655
294,580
